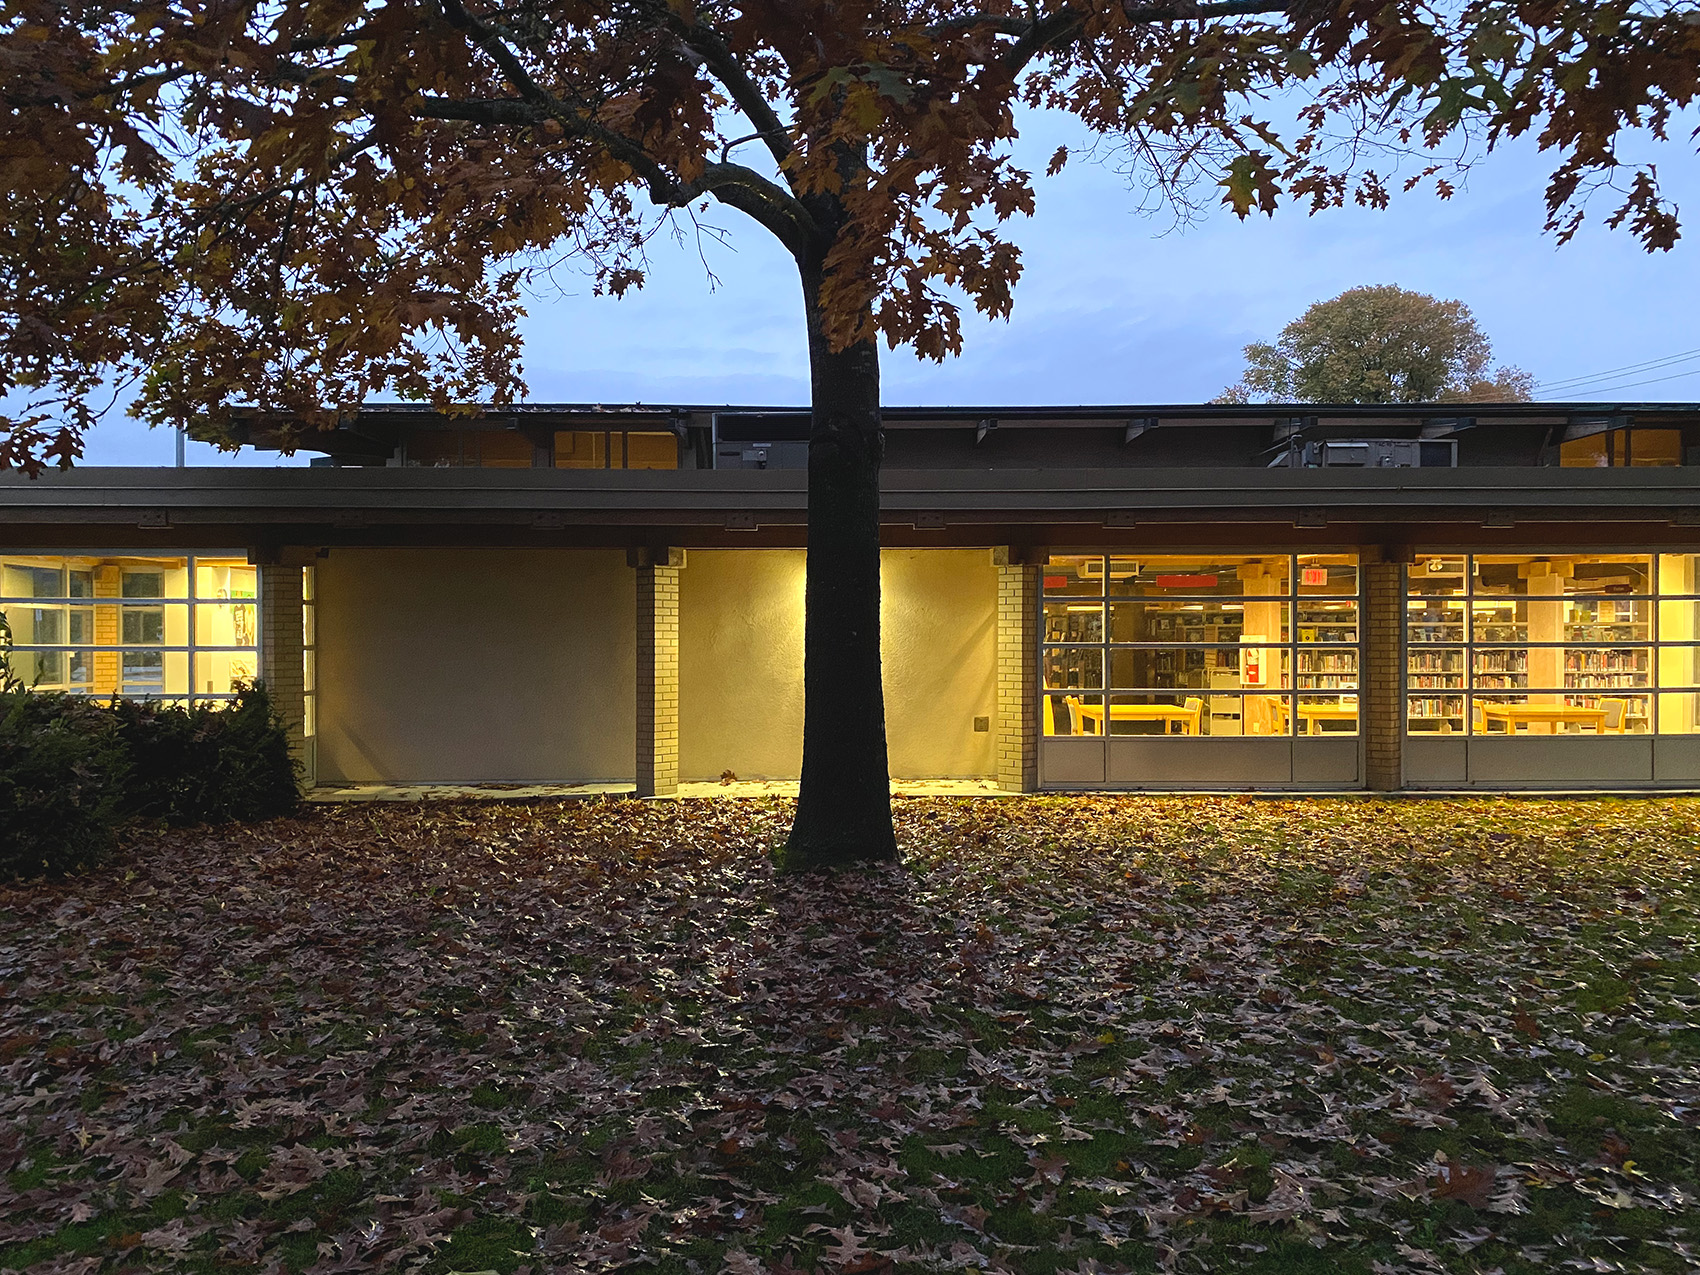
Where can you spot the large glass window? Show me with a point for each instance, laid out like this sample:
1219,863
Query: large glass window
615,449
1609,448
1204,644
469,448
179,628
1552,644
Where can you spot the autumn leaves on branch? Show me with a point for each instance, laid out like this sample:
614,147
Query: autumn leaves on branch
302,205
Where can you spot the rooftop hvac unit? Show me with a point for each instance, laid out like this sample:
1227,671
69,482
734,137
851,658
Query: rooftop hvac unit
785,455
761,440
1370,453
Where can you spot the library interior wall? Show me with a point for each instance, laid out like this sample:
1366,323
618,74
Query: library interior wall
470,666
741,662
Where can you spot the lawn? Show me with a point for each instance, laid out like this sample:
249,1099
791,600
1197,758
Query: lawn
1078,1035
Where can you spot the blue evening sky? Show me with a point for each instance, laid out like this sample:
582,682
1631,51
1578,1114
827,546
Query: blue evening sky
1117,307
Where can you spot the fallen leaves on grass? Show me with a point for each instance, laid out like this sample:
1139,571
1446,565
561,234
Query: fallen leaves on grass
1073,1035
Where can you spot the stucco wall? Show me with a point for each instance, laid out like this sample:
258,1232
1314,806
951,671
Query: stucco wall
938,642
476,665
741,662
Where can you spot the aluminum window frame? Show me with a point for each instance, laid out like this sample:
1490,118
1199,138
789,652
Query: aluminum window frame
1291,647
189,602
1653,599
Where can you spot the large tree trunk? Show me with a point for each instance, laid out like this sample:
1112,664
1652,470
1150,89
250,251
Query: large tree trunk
844,806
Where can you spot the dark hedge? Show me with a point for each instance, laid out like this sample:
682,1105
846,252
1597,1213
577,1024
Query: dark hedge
64,775
207,764
73,769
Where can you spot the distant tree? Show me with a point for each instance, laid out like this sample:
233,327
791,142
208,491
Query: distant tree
299,204
1378,344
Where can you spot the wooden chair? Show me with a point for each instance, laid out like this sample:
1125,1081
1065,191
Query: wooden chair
1077,722
1617,714
1266,715
1478,718
1060,717
1194,707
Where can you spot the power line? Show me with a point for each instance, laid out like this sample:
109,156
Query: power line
1674,376
1610,373
1632,367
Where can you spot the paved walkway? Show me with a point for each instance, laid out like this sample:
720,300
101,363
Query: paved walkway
332,793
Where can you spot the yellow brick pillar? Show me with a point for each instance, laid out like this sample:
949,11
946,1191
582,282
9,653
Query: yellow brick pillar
282,662
1381,697
657,669
1017,740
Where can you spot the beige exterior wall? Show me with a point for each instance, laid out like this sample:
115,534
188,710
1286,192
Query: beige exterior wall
939,631
476,665
741,662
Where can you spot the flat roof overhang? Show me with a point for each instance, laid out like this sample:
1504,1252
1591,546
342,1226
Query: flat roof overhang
157,507
372,432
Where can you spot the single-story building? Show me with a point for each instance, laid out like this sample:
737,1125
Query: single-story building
1165,596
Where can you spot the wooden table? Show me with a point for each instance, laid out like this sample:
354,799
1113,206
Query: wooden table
1164,713
1315,714
1514,715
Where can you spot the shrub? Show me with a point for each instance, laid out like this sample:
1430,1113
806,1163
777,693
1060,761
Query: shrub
208,764
63,778
72,768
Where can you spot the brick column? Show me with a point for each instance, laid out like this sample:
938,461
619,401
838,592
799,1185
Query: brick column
657,669
1381,695
1018,672
281,643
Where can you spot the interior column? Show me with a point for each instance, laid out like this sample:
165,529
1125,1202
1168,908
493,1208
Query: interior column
1381,693
282,641
1260,665
1546,624
108,631
657,669
1017,741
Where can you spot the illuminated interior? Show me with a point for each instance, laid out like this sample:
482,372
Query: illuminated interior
566,449
1617,447
1223,645
180,628
1554,644
469,448
614,449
